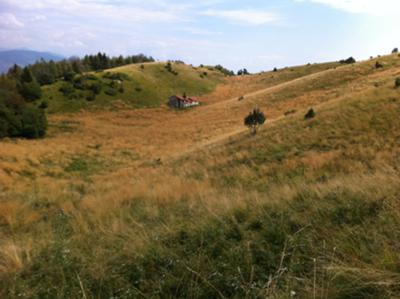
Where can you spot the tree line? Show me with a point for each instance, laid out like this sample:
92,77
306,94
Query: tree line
21,115
47,72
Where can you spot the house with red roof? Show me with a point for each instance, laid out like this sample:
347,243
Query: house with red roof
183,102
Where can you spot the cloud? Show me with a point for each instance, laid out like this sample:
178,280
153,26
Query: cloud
372,7
9,21
128,11
244,16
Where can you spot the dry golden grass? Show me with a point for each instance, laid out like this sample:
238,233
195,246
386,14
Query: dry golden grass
131,166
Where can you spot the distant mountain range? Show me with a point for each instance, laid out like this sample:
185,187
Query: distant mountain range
23,57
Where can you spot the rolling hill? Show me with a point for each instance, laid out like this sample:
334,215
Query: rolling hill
23,57
159,203
138,86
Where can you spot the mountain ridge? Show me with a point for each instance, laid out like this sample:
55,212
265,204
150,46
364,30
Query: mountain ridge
24,57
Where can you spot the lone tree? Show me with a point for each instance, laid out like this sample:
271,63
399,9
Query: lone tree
254,120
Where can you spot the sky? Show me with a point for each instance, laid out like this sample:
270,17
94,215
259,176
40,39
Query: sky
253,34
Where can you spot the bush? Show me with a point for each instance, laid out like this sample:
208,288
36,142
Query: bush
17,119
116,76
69,76
91,97
395,51
378,65
30,91
96,88
45,78
34,123
90,77
349,60
397,82
10,122
44,105
310,114
111,92
80,83
67,89
223,70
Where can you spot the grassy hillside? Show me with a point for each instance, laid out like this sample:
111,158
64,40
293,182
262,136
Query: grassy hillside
146,85
305,209
151,84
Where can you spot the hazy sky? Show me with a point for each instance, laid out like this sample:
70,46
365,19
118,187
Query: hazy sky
257,34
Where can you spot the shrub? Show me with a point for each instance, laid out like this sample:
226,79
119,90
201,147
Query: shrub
17,119
67,89
349,60
91,97
223,70
168,67
114,84
310,114
96,88
395,51
111,92
80,82
45,78
254,120
69,76
397,82
30,90
44,105
275,70
34,123
378,65
10,122
138,89
90,77
116,76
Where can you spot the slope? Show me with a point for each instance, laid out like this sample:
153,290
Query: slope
306,208
135,86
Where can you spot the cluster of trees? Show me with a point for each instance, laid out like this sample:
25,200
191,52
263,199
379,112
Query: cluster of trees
243,72
224,70
89,85
349,60
47,72
17,117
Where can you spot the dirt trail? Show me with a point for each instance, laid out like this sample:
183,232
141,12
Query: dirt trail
215,108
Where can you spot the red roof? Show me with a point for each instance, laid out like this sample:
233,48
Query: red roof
188,100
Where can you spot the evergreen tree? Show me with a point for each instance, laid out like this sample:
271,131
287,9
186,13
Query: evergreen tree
26,76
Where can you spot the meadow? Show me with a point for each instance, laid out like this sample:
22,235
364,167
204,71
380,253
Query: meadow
122,202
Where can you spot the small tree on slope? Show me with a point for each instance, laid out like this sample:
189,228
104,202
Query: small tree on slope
254,120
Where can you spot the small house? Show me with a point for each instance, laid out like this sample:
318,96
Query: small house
183,102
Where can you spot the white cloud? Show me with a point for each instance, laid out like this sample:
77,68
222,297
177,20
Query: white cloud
9,21
373,7
245,16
